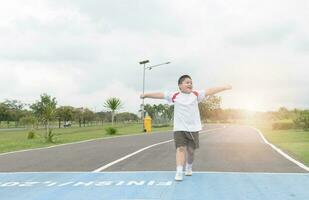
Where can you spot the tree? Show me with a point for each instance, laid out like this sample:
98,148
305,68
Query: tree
126,117
113,104
65,114
45,111
209,106
150,110
302,120
283,113
104,116
15,110
29,121
78,115
88,116
160,113
4,112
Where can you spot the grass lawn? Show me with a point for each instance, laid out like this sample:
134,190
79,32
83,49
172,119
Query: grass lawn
17,140
293,142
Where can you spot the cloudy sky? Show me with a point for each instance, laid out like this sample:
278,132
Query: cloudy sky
83,52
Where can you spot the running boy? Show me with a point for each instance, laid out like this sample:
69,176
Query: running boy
187,122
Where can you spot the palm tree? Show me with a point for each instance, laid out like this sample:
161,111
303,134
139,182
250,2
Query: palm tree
113,104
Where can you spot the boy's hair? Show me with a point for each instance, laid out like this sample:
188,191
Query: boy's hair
182,78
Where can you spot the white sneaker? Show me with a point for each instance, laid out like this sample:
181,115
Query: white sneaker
188,172
178,176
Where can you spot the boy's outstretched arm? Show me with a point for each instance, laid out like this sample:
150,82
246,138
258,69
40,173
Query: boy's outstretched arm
215,90
156,95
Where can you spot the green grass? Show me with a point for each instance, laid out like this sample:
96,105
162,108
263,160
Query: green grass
17,140
294,142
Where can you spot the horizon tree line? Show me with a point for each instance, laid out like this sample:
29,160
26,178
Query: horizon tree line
45,111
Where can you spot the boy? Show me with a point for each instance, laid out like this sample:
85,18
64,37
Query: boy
187,122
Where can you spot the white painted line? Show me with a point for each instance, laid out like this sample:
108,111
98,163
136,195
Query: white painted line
212,130
132,172
79,142
203,172
140,150
281,152
129,155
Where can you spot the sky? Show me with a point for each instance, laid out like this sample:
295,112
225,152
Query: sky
83,52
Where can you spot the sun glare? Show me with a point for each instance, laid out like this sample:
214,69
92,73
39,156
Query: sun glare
253,105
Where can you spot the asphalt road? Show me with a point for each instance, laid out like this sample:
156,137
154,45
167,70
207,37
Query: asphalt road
230,149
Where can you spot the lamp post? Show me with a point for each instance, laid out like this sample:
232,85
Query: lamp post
144,67
144,62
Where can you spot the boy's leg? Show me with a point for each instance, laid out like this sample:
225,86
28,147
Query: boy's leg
190,158
190,154
190,149
180,143
180,161
180,156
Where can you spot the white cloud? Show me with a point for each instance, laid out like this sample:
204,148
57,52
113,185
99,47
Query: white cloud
82,52
95,100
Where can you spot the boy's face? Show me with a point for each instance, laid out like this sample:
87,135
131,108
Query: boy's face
186,86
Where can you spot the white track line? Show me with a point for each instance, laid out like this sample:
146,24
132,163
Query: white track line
281,152
79,142
140,150
129,155
132,172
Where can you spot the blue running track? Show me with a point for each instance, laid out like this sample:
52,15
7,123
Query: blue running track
153,185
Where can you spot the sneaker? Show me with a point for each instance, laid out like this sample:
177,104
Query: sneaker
178,176
188,172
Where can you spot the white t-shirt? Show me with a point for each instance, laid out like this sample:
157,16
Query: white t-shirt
186,112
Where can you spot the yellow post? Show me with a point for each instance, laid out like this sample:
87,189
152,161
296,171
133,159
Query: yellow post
147,124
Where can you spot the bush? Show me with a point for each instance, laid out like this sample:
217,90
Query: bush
111,131
298,124
282,126
302,120
49,137
31,135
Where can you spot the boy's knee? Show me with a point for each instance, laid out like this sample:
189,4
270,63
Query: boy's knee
181,149
190,150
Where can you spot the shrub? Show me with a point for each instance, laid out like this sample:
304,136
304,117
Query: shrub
302,120
298,124
31,135
111,130
282,126
49,137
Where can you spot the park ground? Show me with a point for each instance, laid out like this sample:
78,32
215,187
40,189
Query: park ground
294,142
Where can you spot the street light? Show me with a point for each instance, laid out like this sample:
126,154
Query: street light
149,68
143,63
